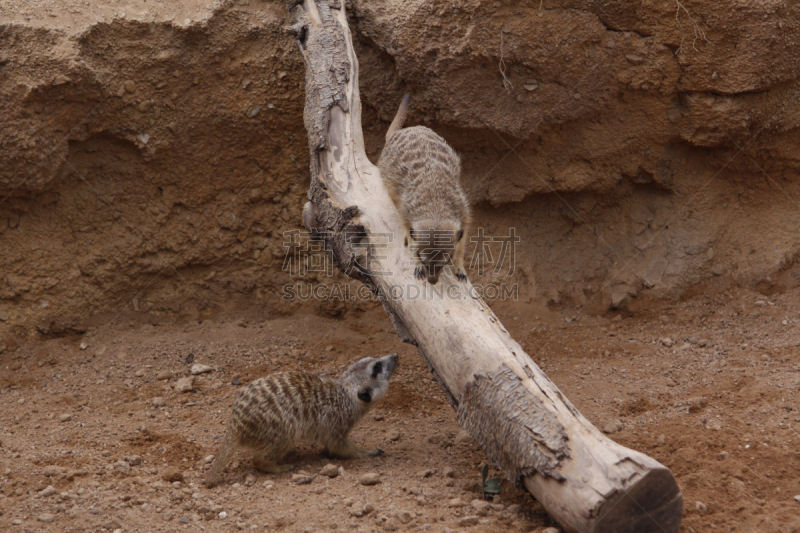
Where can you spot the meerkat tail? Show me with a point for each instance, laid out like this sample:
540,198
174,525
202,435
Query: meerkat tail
226,451
399,118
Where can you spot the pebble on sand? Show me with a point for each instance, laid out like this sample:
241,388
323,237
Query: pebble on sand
201,369
49,491
612,426
370,479
45,517
468,521
172,474
329,470
455,502
185,384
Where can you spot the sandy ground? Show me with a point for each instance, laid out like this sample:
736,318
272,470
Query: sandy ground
709,387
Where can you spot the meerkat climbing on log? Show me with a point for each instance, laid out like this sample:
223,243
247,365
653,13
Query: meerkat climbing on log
274,413
422,174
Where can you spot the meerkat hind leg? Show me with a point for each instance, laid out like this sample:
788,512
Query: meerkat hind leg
345,449
268,465
267,461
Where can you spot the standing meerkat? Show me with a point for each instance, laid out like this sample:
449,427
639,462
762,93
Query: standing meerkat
422,174
274,413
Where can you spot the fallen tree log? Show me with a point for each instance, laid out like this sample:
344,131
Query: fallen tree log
525,425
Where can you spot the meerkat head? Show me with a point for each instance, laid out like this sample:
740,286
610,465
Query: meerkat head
368,379
434,243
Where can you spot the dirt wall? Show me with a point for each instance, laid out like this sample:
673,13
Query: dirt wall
153,156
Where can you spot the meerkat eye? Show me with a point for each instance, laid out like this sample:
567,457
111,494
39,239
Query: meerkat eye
459,234
411,233
365,395
377,368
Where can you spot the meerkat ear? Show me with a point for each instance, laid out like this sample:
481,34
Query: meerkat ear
377,368
365,395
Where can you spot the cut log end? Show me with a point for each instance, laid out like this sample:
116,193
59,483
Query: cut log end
653,504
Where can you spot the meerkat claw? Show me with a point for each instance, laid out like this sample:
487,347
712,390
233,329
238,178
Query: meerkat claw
461,276
419,273
375,453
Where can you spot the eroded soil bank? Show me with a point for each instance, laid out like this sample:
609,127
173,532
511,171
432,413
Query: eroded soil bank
153,154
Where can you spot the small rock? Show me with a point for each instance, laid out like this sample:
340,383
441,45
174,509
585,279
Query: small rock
172,474
130,86
718,270
65,417
666,341
135,460
201,369
209,458
45,517
723,456
185,384
671,382
701,507
391,524
612,426
634,58
249,480
404,517
329,348
369,509
468,521
370,479
49,491
223,515
393,435
164,374
449,472
139,373
551,530
145,106
159,402
797,498
329,470
463,438
122,466
455,502
422,474
514,508
661,440
16,522
481,507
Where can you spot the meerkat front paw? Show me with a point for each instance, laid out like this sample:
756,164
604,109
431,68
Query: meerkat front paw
461,275
374,453
419,273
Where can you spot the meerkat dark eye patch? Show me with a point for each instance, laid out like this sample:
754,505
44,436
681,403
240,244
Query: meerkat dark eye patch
459,234
365,395
377,368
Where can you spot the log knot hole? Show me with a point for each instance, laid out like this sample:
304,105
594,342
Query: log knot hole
518,434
